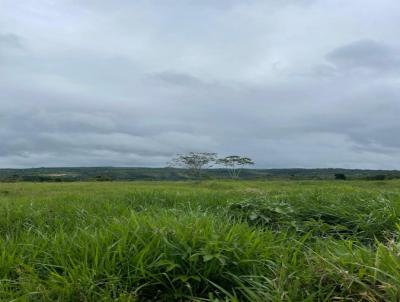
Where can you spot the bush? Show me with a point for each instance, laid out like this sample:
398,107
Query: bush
340,176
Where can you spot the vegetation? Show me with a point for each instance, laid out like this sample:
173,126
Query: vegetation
340,176
208,241
194,162
234,164
121,174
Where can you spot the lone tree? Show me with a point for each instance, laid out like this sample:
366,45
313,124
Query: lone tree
195,162
234,164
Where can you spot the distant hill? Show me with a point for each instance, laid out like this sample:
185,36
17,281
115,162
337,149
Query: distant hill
124,174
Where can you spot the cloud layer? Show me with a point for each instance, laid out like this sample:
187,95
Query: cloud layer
131,83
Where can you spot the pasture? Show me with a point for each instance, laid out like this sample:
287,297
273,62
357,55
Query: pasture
208,241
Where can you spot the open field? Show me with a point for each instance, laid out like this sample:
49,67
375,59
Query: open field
209,241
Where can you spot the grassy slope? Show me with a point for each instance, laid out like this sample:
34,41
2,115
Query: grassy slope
214,241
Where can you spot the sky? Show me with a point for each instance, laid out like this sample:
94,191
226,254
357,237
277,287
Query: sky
289,83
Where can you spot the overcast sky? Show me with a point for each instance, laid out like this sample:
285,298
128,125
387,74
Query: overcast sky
290,83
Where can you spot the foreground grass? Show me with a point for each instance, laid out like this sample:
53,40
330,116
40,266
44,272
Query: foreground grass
213,241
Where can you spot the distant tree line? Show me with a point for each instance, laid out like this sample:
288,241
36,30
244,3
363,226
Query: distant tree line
229,168
342,176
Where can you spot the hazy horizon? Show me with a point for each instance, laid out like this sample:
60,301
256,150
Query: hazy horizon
306,83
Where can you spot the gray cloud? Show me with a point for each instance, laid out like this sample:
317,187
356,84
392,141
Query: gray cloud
366,54
175,78
134,82
10,41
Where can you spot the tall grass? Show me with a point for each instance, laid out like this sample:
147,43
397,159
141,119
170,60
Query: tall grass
213,241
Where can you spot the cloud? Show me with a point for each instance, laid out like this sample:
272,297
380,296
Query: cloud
176,78
10,41
366,54
134,82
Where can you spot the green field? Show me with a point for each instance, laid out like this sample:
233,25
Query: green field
209,241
